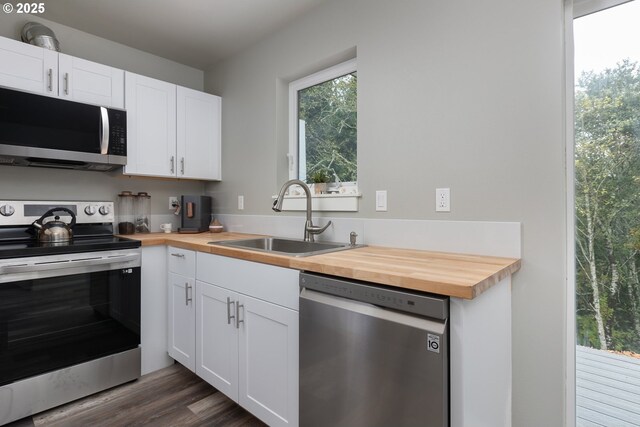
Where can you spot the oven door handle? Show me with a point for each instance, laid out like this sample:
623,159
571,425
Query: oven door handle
59,265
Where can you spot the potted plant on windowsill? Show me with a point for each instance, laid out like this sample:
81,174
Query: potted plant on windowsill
319,180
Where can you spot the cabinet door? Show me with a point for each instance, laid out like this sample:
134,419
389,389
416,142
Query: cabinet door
29,68
182,331
151,126
86,81
269,361
198,134
217,338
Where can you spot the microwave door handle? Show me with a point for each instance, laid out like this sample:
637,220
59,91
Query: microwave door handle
29,268
104,131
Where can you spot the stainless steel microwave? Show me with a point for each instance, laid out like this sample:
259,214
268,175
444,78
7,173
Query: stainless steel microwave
37,130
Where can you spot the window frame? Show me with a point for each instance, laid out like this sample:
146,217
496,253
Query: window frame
295,86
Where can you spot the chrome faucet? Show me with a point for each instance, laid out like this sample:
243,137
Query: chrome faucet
309,229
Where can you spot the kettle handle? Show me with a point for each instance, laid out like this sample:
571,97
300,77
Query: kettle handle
38,222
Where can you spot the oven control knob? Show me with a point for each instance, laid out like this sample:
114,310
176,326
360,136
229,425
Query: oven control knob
104,210
90,210
7,210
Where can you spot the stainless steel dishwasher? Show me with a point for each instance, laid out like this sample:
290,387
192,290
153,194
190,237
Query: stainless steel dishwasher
372,355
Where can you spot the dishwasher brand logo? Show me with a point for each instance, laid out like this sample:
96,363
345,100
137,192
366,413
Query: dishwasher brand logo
433,343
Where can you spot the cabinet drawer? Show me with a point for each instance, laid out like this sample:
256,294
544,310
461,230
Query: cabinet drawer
269,283
182,261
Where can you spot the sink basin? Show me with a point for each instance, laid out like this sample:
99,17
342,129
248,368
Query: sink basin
291,247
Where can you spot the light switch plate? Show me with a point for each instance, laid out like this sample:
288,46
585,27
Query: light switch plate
381,200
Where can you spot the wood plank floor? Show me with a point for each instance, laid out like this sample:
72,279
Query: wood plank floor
173,396
607,389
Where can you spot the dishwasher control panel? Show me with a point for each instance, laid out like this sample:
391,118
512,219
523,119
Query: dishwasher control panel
435,306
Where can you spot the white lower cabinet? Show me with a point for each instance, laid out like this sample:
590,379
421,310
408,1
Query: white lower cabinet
153,310
182,315
217,338
268,361
240,332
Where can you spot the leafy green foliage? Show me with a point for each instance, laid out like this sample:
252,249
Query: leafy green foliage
329,110
607,167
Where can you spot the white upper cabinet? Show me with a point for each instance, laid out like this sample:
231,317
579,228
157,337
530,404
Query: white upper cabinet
43,71
151,126
29,68
86,81
173,132
198,137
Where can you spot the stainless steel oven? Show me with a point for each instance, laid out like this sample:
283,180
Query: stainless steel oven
69,314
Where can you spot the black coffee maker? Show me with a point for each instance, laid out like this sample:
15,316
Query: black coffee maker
195,214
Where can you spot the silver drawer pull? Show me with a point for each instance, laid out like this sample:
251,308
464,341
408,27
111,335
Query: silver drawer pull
238,321
229,315
178,255
187,299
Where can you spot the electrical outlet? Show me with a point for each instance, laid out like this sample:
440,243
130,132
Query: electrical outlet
173,202
240,203
381,200
443,200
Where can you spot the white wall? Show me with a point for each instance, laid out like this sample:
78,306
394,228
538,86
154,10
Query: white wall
51,184
461,94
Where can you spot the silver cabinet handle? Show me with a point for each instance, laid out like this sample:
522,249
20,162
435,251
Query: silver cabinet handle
104,125
182,165
238,321
187,299
178,255
172,166
50,75
66,83
229,315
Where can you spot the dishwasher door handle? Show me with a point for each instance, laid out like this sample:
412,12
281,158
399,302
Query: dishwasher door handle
366,309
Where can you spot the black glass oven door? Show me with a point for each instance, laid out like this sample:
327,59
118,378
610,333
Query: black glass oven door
50,323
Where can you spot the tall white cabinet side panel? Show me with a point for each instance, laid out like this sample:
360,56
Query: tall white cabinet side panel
29,68
153,312
85,81
198,134
480,358
217,338
181,324
269,361
151,126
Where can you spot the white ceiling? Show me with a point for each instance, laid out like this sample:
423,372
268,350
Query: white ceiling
193,32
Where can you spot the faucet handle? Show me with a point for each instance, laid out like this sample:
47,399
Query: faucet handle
314,229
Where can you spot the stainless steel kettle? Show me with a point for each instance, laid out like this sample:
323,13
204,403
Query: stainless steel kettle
54,231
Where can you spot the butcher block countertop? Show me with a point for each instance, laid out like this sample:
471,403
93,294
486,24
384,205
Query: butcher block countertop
456,275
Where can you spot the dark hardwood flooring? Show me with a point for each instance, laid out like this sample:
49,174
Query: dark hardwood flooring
173,396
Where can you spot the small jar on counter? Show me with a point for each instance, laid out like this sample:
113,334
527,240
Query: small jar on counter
143,213
126,213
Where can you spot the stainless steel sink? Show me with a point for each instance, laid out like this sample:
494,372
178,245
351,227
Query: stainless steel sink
291,247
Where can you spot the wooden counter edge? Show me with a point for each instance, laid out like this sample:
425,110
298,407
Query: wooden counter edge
309,264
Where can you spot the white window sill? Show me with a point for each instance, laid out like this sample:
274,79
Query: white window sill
322,202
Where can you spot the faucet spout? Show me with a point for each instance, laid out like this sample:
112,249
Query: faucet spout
309,228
